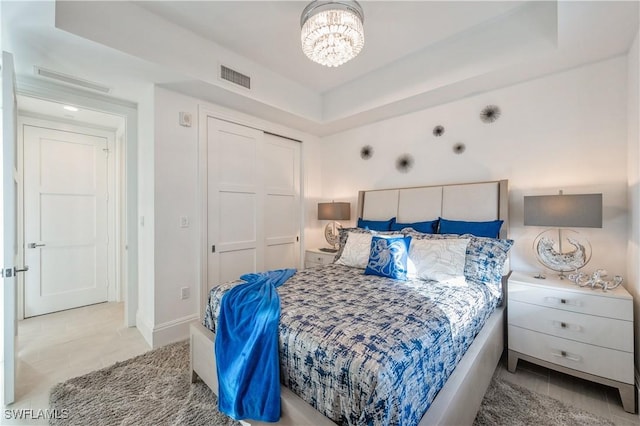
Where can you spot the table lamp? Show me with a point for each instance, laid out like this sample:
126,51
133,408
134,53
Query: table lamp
561,212
333,211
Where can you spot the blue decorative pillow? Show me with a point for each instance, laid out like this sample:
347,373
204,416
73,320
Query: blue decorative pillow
376,225
428,227
489,229
388,257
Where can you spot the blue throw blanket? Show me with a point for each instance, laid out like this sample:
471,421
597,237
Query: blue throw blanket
246,347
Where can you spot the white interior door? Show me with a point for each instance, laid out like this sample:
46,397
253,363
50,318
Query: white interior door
234,200
282,202
10,252
66,234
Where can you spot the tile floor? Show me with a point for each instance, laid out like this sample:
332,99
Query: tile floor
53,348
56,347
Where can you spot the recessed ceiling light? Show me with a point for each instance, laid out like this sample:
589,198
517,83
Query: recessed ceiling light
70,108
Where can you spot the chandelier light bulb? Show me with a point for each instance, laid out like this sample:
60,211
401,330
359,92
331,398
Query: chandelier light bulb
332,31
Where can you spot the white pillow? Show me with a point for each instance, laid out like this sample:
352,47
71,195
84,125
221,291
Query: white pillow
356,250
439,260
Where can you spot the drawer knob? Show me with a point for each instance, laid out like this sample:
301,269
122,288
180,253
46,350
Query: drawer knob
563,301
566,355
563,324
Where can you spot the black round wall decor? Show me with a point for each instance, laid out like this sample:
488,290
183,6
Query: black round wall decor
490,113
366,152
438,131
404,163
459,148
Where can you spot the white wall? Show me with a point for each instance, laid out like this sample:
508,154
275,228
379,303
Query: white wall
176,195
633,137
146,281
175,252
565,131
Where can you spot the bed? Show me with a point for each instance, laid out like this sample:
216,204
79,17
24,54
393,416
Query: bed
462,376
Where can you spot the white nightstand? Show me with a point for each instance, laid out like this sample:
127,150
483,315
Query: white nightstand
315,257
576,330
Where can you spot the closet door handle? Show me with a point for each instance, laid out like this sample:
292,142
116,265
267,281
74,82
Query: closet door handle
34,245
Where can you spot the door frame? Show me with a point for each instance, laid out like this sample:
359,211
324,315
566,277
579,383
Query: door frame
115,209
221,113
37,88
12,260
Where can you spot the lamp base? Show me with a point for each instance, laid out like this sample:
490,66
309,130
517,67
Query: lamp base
332,234
549,250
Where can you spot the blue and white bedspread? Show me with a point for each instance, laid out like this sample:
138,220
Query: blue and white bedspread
363,349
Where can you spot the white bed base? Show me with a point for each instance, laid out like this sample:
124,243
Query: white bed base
458,401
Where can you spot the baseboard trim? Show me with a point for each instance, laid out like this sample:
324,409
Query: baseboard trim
637,388
145,329
173,331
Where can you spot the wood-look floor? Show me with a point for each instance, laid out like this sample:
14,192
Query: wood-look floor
593,397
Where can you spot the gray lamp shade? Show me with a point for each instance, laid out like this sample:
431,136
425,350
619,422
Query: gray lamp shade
334,211
564,211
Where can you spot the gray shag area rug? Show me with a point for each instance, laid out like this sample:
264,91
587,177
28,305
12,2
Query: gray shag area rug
155,389
150,389
509,404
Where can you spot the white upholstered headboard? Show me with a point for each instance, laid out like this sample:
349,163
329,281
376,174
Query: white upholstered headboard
479,201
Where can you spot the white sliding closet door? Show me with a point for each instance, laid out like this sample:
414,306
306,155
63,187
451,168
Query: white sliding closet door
282,202
234,200
253,201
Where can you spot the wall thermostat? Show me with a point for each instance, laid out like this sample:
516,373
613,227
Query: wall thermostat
185,119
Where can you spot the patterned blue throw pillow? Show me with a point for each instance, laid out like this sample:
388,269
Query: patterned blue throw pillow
388,257
486,258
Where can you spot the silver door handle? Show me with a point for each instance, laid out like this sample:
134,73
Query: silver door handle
34,245
24,269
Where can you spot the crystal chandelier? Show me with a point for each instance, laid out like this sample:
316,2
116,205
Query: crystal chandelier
332,31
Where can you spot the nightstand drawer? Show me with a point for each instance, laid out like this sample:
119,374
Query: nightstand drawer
318,259
606,332
608,363
581,302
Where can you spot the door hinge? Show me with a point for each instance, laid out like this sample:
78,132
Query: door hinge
213,248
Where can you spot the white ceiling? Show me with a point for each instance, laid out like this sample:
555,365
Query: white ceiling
417,53
268,32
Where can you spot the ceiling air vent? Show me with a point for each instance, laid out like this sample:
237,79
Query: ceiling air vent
235,77
69,79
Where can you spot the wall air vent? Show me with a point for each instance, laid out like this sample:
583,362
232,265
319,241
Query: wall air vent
235,77
69,79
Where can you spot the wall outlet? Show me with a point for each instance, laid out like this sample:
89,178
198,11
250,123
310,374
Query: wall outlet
185,293
184,221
